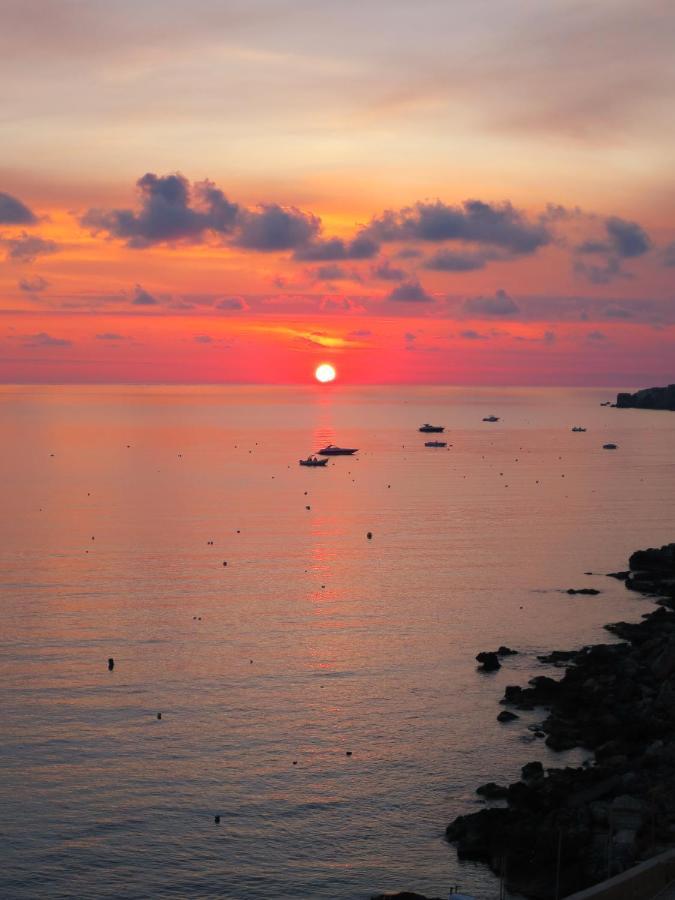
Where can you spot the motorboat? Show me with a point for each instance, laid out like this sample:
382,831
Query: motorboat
491,418
432,429
312,461
435,444
332,450
578,428
610,446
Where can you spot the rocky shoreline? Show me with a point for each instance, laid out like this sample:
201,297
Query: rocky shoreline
560,830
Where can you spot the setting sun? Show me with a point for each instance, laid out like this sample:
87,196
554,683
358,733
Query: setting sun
324,373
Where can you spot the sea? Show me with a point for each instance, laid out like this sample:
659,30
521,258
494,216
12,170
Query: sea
318,688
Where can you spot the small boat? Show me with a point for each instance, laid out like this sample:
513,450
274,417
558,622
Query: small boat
312,461
491,418
578,428
609,446
435,444
332,450
432,429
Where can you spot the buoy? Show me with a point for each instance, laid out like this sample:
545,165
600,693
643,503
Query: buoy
216,819
159,715
370,535
224,563
111,664
348,753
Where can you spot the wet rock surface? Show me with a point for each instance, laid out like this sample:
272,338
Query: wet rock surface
617,701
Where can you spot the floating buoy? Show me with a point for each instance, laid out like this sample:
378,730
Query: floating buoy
111,664
159,715
370,535
216,819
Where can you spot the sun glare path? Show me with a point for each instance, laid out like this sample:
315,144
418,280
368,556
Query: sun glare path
325,373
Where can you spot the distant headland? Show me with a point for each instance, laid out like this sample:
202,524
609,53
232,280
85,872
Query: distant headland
649,398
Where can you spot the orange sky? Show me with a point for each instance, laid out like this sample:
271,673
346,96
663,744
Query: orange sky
465,193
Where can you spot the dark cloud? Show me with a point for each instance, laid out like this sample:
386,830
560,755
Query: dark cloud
604,273
42,339
496,225
170,211
386,272
499,305
273,228
14,212
593,247
450,261
618,312
550,337
408,253
410,292
330,273
33,285
471,335
232,304
27,247
337,249
668,255
628,239
143,298
596,336
110,336
341,304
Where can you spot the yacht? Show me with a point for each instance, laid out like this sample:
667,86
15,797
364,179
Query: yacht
610,446
332,450
435,444
491,418
432,429
578,428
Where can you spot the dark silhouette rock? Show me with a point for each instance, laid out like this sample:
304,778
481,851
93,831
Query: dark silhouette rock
618,702
591,592
489,662
506,651
507,716
648,398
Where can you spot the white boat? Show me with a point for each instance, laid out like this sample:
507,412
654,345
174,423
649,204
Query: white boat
332,450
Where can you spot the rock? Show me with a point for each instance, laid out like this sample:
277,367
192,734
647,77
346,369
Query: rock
506,651
664,664
507,716
489,661
556,657
492,791
532,770
591,592
648,398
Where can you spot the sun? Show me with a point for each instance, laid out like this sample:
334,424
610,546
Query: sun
325,373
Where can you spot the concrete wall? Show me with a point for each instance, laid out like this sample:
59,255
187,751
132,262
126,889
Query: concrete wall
642,882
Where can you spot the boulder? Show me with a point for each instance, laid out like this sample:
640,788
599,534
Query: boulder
488,661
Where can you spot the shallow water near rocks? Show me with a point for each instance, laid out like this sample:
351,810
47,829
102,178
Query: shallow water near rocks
312,641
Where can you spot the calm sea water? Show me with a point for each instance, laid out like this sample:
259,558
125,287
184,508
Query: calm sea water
311,642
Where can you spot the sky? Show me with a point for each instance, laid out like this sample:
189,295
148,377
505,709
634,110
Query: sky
466,192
